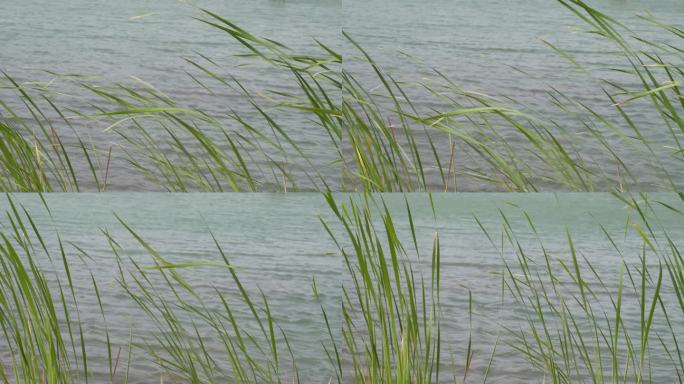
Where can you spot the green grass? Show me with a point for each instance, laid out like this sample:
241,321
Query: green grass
568,321
573,325
33,155
377,138
39,315
252,348
575,328
391,314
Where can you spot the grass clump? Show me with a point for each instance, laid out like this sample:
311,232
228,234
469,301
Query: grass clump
33,154
42,331
391,314
383,140
251,347
363,137
565,319
577,324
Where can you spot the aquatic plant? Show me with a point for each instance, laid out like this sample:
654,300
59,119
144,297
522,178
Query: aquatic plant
254,348
33,154
391,316
376,139
570,321
581,325
40,318
382,141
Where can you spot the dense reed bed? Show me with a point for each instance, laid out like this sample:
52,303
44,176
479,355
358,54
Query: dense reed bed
567,319
376,136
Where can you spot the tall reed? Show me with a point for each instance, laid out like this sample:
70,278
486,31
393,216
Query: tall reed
376,138
579,324
33,154
570,320
391,315
42,332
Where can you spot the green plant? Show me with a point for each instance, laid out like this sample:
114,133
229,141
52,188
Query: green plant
33,155
41,325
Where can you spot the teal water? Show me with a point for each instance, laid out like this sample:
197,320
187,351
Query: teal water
278,245
490,46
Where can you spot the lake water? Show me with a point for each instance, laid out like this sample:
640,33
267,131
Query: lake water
484,46
278,244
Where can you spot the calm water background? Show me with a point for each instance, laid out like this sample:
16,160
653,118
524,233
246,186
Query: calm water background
278,244
481,45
